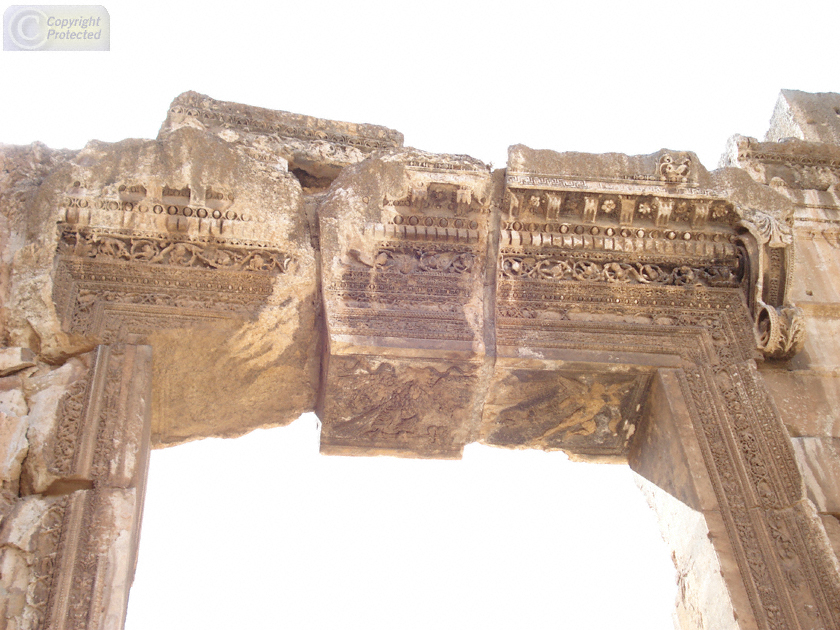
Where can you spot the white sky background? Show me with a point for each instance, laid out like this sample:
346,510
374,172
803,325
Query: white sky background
502,539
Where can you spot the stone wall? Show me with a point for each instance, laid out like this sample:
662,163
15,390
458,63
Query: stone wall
76,447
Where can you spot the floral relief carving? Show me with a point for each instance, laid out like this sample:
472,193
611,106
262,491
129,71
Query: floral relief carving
102,246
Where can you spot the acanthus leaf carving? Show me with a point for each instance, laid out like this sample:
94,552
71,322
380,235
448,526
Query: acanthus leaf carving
558,267
772,231
153,250
780,331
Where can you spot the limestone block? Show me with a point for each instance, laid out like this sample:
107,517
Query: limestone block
788,168
315,149
405,242
22,169
118,551
94,430
68,560
665,450
812,117
15,577
832,530
27,243
200,250
46,393
817,272
13,447
588,415
669,166
819,460
15,359
13,402
703,600
807,401
28,541
821,351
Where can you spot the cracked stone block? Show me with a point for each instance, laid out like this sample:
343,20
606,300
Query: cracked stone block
15,359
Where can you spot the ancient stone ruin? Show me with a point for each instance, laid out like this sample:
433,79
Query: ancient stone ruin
635,309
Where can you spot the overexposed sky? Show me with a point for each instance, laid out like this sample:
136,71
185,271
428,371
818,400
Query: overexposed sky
263,532
282,537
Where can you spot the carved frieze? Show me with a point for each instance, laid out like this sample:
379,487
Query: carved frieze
561,266
549,199
111,283
409,290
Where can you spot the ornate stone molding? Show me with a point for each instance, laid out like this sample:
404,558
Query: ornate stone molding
101,420
114,283
80,520
784,558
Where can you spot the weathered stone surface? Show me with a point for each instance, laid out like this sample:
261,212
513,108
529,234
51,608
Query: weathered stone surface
13,446
804,172
807,400
183,243
67,561
68,545
12,400
315,149
13,449
807,116
414,226
592,416
703,600
24,550
832,530
819,461
610,306
15,359
665,450
22,169
92,429
46,394
404,250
